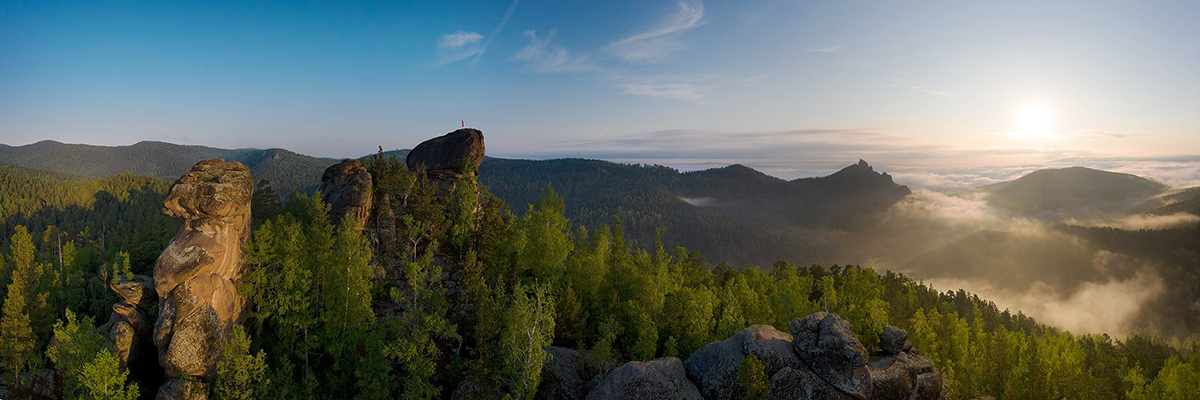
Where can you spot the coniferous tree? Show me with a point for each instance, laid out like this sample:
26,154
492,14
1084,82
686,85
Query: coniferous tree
78,346
240,376
103,379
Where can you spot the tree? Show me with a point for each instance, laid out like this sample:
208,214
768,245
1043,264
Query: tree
422,323
264,202
78,345
103,379
753,378
529,328
16,336
240,375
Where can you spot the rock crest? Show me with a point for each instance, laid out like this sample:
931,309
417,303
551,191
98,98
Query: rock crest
196,275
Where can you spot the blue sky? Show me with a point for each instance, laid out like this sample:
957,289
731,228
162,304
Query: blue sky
795,88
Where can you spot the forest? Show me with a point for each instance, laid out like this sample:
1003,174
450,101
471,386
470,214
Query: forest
331,318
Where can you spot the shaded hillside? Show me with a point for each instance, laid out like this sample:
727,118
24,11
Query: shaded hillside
734,213
286,170
1175,201
1066,190
120,211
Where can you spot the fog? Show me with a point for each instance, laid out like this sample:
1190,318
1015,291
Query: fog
1030,265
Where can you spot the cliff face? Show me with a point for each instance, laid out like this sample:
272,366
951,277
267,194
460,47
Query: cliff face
820,359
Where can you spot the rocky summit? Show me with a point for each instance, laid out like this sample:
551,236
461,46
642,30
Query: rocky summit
444,158
346,187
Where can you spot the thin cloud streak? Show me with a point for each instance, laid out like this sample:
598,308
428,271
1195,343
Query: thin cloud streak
824,49
508,14
542,55
655,44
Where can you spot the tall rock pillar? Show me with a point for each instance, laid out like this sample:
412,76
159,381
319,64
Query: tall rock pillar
443,157
196,276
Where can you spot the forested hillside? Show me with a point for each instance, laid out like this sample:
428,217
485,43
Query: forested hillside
328,322
734,214
287,170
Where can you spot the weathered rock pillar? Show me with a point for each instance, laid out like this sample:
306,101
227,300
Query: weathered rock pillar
196,276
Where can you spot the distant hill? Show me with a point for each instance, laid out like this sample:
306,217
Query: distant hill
286,170
1062,191
734,213
1171,202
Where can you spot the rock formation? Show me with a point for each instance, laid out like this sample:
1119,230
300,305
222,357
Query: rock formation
130,330
662,378
821,359
714,367
196,275
443,157
827,346
346,187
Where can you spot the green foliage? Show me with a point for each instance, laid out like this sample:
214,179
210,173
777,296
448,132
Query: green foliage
753,378
78,346
528,328
103,379
418,328
240,375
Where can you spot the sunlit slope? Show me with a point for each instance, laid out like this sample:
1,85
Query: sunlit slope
1073,190
286,170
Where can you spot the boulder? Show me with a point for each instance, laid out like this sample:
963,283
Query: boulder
894,340
179,389
890,379
662,378
346,187
828,347
447,152
196,276
799,383
714,367
561,375
443,157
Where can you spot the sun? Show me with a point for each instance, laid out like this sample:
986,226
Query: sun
1035,119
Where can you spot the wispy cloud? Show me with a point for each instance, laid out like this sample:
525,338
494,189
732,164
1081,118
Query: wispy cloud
654,44
459,39
499,27
543,55
679,91
462,44
457,46
824,49
929,91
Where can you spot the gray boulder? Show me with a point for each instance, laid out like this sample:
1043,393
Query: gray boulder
561,377
894,340
827,346
714,367
662,378
799,383
890,379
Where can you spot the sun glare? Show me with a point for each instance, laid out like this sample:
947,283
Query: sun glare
1034,120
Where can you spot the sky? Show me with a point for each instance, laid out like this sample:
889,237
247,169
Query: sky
943,94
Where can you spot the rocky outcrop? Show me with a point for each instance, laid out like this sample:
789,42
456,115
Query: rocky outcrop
901,373
663,378
562,377
130,330
714,367
800,383
196,275
346,187
894,340
828,347
443,157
